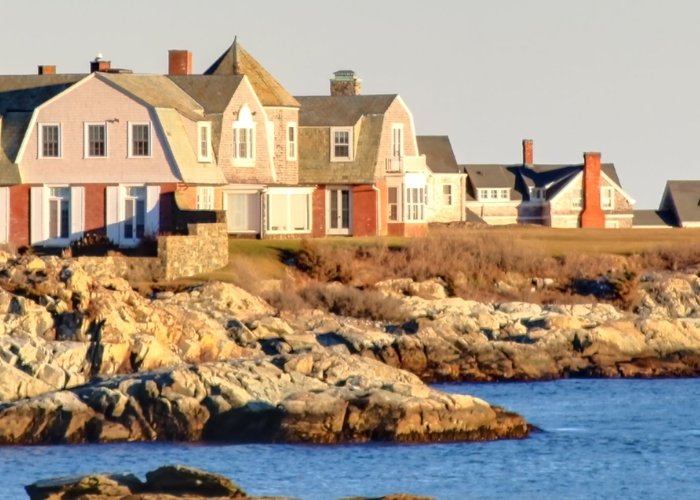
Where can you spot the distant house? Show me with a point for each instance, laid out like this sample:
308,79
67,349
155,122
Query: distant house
580,195
361,153
102,152
446,180
679,207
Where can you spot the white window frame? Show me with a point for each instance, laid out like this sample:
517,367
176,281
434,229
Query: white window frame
249,133
40,135
333,144
397,140
288,195
414,206
125,198
610,198
447,195
504,194
205,198
292,141
204,142
130,138
86,140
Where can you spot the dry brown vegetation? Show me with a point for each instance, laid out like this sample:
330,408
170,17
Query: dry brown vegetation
516,263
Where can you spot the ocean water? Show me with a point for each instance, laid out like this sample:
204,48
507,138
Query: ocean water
599,439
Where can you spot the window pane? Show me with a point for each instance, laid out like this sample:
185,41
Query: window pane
50,141
96,140
140,145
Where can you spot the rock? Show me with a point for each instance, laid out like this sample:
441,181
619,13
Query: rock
183,480
102,485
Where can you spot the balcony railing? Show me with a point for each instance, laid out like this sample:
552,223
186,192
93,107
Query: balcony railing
405,164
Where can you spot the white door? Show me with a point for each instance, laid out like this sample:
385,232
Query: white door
243,212
339,210
134,222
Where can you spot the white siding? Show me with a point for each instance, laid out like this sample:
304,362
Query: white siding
36,214
112,213
152,210
77,212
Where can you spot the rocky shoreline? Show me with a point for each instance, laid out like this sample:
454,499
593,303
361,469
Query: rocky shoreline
85,358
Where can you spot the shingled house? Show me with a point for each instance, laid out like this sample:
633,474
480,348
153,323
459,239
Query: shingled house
102,152
588,194
679,207
361,153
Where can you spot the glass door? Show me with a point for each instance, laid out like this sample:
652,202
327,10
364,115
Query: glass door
338,211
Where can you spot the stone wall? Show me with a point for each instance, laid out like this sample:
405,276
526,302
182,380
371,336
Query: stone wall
203,249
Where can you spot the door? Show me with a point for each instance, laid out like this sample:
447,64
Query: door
339,210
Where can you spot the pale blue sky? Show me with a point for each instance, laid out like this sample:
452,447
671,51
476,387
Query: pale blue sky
619,76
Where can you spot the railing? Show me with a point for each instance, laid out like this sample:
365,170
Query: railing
405,164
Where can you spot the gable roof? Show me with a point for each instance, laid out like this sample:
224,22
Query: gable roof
438,152
683,197
237,61
213,92
493,176
158,91
339,111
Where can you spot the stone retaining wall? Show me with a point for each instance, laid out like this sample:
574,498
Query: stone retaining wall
203,249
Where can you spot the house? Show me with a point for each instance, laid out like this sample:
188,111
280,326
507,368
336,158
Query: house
588,194
102,152
361,153
256,145
446,182
679,207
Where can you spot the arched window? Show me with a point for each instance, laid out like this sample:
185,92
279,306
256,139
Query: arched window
244,136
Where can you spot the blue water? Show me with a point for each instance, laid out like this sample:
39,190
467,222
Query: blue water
601,439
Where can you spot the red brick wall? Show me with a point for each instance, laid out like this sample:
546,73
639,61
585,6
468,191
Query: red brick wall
364,211
318,212
19,215
411,230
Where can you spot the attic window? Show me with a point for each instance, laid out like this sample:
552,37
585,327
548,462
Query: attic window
244,138
49,140
204,141
341,143
493,194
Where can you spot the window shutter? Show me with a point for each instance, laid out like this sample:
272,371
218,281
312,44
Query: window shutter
77,212
152,210
4,214
112,214
36,209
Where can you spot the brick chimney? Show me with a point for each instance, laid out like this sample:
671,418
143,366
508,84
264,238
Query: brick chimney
100,64
46,69
344,82
527,152
179,62
592,215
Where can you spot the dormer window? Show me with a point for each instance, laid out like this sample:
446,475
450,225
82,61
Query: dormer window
397,140
244,138
341,143
204,141
537,193
291,141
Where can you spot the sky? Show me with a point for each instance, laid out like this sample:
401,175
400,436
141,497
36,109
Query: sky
621,77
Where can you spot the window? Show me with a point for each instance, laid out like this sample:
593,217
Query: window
504,194
493,194
537,193
205,198
289,212
243,139
341,144
577,198
397,140
95,140
139,140
49,141
393,204
134,212
204,142
446,194
59,213
414,204
607,198
291,141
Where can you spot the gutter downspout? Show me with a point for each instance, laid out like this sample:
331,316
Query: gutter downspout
379,209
